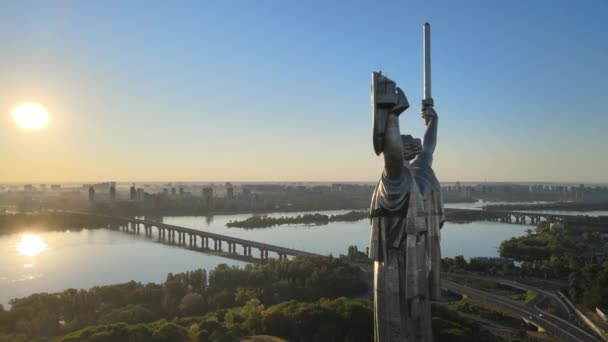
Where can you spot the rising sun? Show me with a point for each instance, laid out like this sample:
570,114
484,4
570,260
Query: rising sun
31,116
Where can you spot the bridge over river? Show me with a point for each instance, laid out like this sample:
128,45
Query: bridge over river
516,217
224,245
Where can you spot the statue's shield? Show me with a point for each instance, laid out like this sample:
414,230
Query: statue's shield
384,97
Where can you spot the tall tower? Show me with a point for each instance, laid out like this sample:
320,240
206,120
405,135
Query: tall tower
91,193
132,193
113,192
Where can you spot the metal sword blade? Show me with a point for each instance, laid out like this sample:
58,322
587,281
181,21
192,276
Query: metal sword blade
426,38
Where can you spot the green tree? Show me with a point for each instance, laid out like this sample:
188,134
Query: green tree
131,314
192,304
139,333
170,332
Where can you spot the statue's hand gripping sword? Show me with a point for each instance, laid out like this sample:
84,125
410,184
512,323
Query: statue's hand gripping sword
427,100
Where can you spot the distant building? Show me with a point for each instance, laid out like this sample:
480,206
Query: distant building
208,194
321,188
133,193
102,187
91,194
113,192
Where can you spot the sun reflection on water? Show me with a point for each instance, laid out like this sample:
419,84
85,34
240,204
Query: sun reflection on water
30,245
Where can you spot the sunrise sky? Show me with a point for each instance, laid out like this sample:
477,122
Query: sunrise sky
279,90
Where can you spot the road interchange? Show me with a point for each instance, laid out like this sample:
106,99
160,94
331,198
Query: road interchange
558,327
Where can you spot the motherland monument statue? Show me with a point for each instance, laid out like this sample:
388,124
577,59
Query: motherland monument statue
406,215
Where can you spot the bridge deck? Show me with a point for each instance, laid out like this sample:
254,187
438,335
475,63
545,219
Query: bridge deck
522,213
202,233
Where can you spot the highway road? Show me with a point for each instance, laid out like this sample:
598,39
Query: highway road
569,309
555,326
542,293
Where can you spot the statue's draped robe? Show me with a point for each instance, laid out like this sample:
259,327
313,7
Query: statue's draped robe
407,215
435,216
399,250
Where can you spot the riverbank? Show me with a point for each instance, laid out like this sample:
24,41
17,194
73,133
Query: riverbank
306,219
228,303
566,206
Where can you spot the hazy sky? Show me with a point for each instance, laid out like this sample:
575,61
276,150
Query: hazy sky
279,90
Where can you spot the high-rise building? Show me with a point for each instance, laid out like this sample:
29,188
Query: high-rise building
208,194
113,192
132,193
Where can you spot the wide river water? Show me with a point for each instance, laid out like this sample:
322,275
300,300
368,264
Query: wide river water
36,260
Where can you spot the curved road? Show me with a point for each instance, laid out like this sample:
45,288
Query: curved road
542,294
555,326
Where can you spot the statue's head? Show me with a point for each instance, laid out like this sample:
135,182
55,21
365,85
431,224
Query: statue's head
412,147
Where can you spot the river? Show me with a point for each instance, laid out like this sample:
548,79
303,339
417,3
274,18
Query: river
37,260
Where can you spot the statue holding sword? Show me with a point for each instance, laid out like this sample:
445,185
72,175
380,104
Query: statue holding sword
406,215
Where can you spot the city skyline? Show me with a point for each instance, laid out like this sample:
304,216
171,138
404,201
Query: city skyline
263,92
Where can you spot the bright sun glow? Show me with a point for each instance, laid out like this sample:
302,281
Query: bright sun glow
31,116
30,245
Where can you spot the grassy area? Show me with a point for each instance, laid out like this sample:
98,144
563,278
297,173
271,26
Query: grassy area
262,338
486,311
525,297
503,325
476,282
552,306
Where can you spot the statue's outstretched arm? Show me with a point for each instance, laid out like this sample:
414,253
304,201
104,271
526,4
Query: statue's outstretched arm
430,136
393,148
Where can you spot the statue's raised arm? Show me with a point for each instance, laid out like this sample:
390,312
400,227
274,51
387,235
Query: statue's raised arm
430,136
388,102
